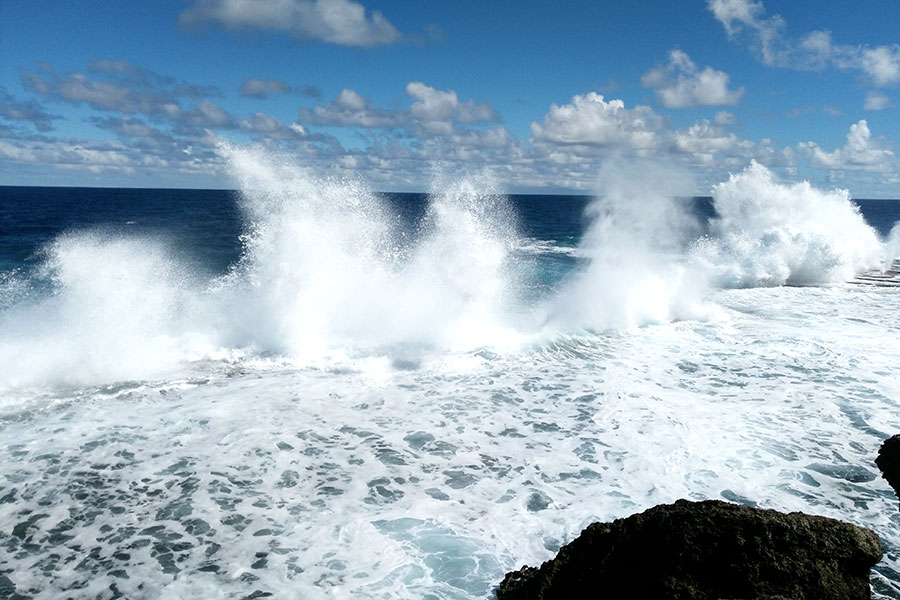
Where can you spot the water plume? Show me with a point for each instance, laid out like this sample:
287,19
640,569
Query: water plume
118,308
634,242
891,247
328,266
769,233
330,272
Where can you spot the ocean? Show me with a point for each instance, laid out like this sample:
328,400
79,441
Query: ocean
305,389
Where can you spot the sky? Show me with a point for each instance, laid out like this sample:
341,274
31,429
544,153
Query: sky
540,94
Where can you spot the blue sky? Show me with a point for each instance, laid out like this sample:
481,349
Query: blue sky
538,92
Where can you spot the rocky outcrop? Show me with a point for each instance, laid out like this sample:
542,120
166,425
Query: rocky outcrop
889,462
706,550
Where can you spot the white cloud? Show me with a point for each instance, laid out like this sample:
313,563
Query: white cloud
341,22
262,123
131,90
30,111
860,152
206,115
736,15
591,120
91,156
135,130
495,137
158,130
350,109
882,64
723,117
682,85
704,141
270,128
433,113
436,111
106,96
876,101
260,88
437,105
815,50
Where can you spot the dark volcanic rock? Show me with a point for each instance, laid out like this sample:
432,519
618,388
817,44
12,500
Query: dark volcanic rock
706,550
889,462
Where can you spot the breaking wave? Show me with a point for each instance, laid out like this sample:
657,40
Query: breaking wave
769,233
329,272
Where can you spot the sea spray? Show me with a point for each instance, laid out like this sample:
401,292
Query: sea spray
463,267
769,233
891,248
328,268
634,243
118,308
317,255
330,274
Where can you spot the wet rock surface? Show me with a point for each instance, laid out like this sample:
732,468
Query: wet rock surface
889,462
706,550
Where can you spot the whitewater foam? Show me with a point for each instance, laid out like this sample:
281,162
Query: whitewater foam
435,481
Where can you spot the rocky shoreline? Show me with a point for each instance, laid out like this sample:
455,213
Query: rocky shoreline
710,550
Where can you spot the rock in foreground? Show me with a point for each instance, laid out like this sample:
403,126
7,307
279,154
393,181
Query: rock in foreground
889,462
706,550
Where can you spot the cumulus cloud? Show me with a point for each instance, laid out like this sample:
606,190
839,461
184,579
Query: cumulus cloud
260,88
343,22
437,110
155,128
433,112
264,124
723,117
681,84
437,105
738,15
79,88
351,109
591,120
267,127
129,127
815,50
876,101
117,87
92,156
860,152
882,64
705,141
207,115
30,111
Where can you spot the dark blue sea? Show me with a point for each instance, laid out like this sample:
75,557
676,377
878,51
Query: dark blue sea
304,389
